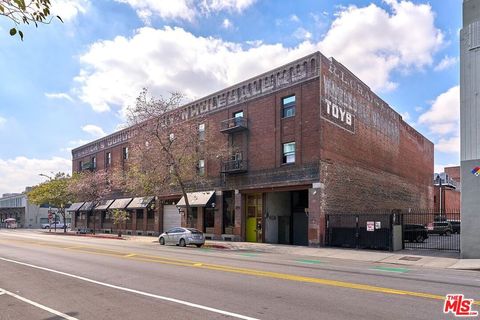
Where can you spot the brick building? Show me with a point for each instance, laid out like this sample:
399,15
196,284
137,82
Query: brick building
447,190
313,139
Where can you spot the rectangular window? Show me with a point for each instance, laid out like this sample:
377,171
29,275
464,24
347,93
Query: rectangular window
238,116
80,165
201,167
94,162
108,158
289,152
201,132
288,106
125,153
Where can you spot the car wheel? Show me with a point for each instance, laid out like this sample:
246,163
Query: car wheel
448,232
183,243
162,241
199,245
420,238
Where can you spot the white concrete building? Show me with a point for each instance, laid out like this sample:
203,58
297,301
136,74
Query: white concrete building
16,205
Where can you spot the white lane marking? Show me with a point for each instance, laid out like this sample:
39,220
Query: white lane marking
38,305
151,295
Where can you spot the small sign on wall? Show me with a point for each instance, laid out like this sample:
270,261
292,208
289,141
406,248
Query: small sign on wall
378,224
370,225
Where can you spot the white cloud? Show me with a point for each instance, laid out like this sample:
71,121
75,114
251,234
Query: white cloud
74,144
444,115
59,96
69,9
166,9
446,63
226,5
370,38
172,59
227,24
2,121
302,34
364,39
94,130
438,168
294,18
443,119
21,172
185,10
418,108
450,145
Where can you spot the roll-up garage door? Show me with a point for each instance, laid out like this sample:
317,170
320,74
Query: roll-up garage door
171,217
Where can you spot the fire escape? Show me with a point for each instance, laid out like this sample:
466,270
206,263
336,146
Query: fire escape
237,129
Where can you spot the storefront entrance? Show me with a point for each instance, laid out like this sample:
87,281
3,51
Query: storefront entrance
254,210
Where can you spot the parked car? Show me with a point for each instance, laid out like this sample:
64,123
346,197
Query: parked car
415,233
440,227
59,225
182,237
455,226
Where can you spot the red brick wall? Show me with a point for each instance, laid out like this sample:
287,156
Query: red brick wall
117,158
378,162
267,130
453,172
450,199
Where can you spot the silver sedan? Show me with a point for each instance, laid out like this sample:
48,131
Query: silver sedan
182,236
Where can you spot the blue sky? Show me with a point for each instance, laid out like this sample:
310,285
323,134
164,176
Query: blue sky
67,84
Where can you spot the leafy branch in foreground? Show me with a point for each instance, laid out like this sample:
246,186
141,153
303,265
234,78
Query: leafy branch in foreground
26,12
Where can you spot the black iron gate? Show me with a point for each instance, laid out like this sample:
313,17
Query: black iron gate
432,230
362,231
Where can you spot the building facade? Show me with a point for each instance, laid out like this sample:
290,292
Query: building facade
26,214
310,139
447,190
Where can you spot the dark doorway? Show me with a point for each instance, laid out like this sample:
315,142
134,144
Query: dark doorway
300,218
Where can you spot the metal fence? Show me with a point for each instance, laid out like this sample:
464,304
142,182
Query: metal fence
418,229
433,230
361,231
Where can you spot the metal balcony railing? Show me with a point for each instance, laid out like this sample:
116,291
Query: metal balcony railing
234,166
233,125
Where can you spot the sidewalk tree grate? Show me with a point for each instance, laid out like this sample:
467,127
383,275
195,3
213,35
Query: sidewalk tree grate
409,258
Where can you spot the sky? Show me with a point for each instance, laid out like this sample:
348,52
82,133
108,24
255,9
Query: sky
70,83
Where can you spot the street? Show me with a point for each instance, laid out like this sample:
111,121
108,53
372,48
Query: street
47,276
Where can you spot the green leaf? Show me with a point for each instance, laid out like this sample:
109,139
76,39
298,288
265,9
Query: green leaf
13,31
2,8
21,34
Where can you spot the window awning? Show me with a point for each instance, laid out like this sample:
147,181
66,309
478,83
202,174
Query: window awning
197,199
140,202
103,205
75,206
87,206
120,203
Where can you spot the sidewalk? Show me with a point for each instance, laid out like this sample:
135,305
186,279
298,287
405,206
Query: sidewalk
419,258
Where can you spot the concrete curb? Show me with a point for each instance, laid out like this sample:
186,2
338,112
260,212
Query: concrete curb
74,234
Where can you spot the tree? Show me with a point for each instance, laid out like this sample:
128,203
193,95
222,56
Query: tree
26,12
119,219
55,192
168,154
91,186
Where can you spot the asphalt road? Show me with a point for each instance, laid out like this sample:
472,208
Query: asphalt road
66,277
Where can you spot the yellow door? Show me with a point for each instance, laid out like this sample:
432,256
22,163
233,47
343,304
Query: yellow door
251,230
254,218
